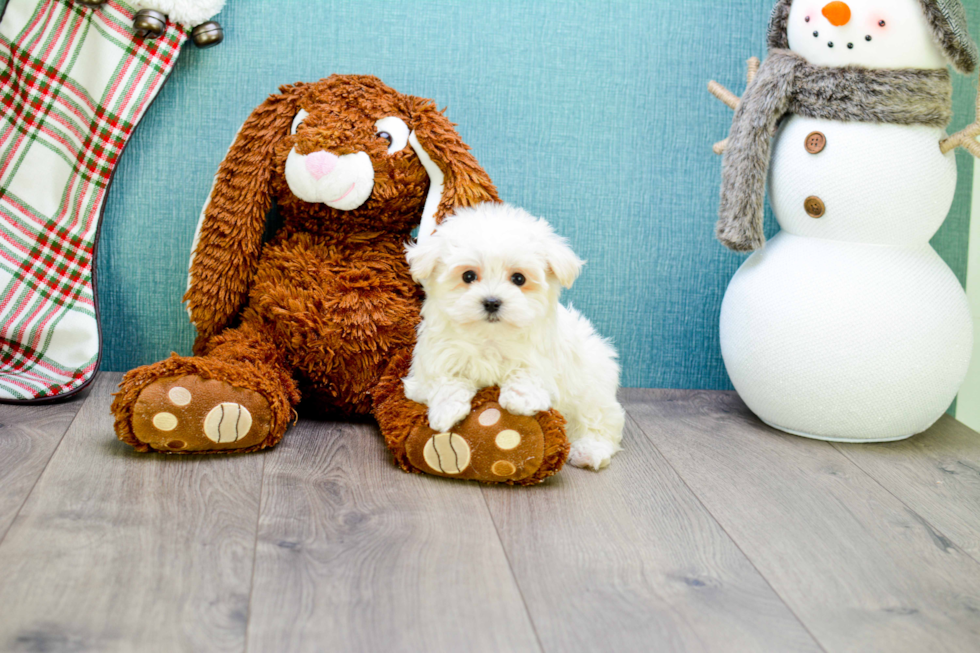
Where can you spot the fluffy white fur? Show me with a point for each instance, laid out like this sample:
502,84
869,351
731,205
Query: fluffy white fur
189,13
540,353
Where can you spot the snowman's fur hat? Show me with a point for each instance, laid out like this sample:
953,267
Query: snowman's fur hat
947,19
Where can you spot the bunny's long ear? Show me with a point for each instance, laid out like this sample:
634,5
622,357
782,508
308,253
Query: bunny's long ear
455,178
229,236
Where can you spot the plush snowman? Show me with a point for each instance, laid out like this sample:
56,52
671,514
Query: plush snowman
847,325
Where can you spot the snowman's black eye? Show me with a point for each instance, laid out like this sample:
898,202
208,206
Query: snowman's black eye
518,279
469,276
807,19
881,23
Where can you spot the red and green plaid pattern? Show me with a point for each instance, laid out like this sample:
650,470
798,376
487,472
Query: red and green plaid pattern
74,82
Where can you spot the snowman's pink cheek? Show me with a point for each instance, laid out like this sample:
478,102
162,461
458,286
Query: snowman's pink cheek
876,23
874,26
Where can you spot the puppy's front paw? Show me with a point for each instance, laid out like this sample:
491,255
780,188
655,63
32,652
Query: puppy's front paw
446,413
524,398
592,453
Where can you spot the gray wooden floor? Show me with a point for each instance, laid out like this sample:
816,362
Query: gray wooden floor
710,532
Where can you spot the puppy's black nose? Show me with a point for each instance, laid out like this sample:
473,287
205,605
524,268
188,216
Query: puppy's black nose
492,305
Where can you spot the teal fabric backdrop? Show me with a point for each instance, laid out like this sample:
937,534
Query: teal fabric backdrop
592,114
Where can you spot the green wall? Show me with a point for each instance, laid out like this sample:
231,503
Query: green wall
592,114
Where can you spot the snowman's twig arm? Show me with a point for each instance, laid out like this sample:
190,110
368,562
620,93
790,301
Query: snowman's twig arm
723,94
967,138
730,99
973,147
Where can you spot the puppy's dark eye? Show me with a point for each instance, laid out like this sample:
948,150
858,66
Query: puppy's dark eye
469,276
518,279
384,136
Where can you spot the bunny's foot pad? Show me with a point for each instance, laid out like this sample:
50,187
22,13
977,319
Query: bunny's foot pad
493,446
190,414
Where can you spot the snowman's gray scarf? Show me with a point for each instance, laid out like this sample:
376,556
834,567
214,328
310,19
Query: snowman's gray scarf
787,84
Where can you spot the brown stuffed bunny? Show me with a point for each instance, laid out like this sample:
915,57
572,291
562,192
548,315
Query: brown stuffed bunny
327,309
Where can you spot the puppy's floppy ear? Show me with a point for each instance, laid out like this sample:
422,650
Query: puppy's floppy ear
562,261
423,258
455,178
229,236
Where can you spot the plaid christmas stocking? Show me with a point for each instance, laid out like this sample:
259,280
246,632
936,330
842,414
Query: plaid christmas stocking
74,83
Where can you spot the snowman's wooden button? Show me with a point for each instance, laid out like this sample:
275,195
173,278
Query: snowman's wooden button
815,143
814,207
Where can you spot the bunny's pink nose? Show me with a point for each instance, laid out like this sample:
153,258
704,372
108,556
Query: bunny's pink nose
321,164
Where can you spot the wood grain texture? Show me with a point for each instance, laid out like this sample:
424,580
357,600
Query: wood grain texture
710,532
628,560
863,571
118,551
28,437
355,555
937,474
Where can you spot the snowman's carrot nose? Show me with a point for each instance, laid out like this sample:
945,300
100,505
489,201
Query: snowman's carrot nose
838,13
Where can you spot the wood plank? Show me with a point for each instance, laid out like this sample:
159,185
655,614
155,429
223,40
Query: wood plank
937,474
628,560
862,570
29,434
118,551
355,555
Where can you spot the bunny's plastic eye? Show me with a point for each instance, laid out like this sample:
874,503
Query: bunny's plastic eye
298,120
518,279
394,130
469,276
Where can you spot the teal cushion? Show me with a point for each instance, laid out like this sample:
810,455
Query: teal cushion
591,114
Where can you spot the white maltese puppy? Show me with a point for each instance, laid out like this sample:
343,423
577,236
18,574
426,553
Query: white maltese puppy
492,275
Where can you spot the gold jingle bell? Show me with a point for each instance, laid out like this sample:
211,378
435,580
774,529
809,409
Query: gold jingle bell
150,23
207,35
